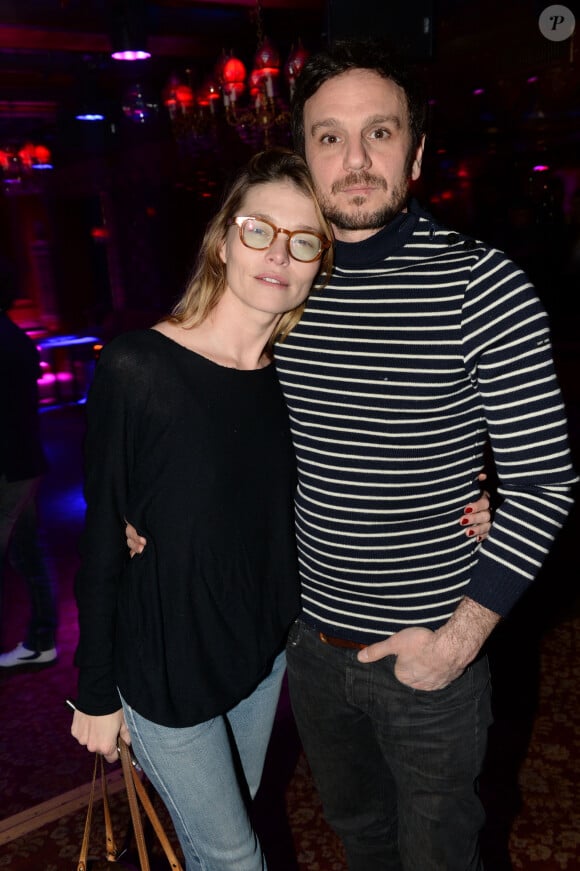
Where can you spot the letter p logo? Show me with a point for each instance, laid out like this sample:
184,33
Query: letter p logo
557,23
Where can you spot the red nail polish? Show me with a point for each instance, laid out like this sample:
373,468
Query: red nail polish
464,521
470,532
468,510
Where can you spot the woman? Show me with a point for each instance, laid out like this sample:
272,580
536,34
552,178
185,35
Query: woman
181,649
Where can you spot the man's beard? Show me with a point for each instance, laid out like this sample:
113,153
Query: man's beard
364,220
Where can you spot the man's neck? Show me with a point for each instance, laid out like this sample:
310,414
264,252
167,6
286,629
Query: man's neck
353,236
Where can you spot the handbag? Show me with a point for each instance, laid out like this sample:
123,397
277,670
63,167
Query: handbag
135,792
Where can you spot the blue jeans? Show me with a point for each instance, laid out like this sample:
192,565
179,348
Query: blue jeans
207,775
20,539
396,768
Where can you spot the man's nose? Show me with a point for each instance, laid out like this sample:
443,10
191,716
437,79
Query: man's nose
356,156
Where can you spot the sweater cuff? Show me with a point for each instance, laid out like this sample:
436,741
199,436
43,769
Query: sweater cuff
496,586
97,693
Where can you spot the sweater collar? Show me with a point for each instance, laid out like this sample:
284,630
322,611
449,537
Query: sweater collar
393,236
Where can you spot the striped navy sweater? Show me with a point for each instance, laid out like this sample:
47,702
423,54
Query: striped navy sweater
422,345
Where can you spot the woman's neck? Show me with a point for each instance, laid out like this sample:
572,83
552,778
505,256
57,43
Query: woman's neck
211,340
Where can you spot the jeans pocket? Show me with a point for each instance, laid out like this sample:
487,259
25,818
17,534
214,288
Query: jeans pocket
294,634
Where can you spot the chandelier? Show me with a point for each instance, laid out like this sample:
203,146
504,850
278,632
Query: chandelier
253,105
19,163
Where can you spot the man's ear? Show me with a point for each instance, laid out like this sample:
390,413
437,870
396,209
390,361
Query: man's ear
418,160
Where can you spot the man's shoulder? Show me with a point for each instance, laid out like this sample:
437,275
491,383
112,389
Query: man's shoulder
442,233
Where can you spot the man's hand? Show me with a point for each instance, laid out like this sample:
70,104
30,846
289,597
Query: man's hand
428,660
418,663
136,543
100,734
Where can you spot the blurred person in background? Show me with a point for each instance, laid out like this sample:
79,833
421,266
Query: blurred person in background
22,465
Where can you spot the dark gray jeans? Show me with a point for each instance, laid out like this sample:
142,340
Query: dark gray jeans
20,541
396,768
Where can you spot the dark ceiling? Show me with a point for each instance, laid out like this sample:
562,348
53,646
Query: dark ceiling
47,47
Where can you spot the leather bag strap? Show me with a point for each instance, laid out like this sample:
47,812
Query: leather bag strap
130,778
110,838
82,863
135,792
135,788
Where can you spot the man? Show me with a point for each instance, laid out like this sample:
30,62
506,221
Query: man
22,464
422,345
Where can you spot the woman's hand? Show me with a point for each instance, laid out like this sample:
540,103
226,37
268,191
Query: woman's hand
476,516
135,543
100,734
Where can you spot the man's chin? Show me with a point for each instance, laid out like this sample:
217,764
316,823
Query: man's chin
364,213
358,219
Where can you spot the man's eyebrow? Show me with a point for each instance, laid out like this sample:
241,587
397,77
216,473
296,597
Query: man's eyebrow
322,125
384,119
372,121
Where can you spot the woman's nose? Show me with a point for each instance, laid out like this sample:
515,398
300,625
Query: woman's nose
279,250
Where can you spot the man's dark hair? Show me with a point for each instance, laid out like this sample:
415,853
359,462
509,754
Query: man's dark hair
364,54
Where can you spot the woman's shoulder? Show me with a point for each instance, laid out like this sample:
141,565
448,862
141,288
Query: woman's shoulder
133,358
134,345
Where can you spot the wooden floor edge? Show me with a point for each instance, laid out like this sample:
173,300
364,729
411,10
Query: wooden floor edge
62,805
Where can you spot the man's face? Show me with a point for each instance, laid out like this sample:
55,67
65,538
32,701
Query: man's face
358,147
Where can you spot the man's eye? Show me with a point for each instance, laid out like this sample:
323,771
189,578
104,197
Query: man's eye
379,133
329,139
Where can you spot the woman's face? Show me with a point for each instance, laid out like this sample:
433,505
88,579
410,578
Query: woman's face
269,280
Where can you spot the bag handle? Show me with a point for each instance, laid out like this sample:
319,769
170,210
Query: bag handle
110,838
135,791
82,863
135,787
129,775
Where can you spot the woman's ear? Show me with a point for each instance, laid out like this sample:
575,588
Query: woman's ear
223,256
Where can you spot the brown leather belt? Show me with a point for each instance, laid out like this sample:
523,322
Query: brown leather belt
341,642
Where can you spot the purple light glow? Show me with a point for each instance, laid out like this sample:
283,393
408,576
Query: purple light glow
131,55
88,116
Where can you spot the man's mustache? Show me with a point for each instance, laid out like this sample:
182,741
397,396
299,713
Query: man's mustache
359,179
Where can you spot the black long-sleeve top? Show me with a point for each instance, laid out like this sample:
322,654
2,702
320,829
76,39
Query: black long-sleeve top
199,457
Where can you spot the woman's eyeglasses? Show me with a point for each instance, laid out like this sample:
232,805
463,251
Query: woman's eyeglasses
303,245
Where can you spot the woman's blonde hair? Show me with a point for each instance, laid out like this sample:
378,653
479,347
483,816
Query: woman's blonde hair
208,281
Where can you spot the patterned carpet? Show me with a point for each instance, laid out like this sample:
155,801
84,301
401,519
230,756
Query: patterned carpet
531,782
